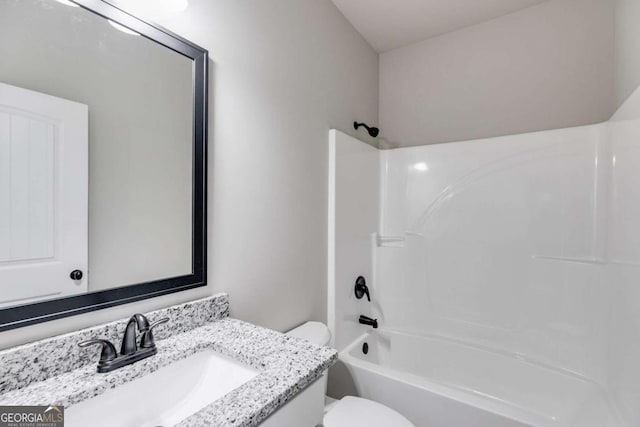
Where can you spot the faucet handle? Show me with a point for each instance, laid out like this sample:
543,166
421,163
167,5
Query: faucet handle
147,340
108,350
361,288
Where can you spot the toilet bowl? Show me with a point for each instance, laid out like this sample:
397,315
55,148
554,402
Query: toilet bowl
349,411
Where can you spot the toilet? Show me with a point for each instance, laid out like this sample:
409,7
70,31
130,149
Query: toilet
349,411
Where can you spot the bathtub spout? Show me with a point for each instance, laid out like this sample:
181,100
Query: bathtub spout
364,320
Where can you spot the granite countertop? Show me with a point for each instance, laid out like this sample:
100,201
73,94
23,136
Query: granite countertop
286,365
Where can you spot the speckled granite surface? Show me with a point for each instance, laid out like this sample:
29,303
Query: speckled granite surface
37,361
286,365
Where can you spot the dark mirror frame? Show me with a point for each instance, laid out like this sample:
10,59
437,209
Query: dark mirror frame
29,314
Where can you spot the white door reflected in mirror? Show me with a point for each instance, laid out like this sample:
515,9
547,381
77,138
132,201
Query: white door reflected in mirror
43,196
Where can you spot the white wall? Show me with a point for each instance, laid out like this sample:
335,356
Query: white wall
627,46
354,175
546,67
283,73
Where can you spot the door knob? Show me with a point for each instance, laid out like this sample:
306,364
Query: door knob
76,275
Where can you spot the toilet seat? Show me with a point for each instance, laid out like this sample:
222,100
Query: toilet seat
357,412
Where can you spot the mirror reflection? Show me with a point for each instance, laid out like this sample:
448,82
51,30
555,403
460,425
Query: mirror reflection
96,154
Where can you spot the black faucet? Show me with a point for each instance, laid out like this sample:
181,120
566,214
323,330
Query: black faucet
129,351
364,320
129,345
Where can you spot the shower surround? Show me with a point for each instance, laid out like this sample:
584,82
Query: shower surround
524,247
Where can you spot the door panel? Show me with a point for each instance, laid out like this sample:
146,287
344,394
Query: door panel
43,196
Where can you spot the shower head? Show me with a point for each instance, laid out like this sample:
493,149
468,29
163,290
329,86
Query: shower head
372,131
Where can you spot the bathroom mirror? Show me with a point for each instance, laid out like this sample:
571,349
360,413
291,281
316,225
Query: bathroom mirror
102,160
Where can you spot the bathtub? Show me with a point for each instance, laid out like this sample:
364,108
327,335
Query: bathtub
439,382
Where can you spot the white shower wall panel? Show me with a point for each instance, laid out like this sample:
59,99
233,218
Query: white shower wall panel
504,244
353,220
623,269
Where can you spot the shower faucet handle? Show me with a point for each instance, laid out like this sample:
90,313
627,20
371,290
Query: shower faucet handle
361,288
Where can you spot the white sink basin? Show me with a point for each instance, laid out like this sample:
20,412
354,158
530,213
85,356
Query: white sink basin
165,397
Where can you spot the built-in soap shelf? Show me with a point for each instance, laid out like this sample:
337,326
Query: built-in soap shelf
390,241
395,241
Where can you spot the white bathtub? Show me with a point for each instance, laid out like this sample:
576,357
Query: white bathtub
437,382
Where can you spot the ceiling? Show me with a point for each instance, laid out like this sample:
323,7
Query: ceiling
388,24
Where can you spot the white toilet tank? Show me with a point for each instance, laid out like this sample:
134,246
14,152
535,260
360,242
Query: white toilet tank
316,332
